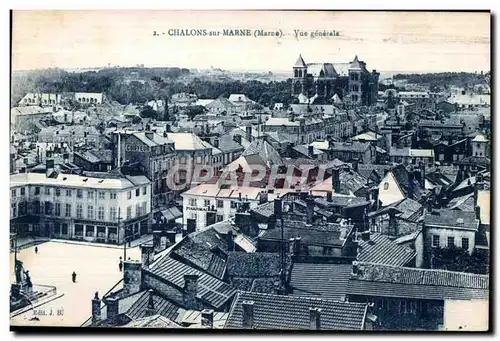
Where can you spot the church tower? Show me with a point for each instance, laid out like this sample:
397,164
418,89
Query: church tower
355,82
299,76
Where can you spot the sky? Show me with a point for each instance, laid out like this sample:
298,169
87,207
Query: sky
388,41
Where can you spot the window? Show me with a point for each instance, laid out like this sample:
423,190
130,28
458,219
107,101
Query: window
386,186
219,217
48,207
112,213
435,241
112,195
14,210
57,210
198,160
68,192
100,213
90,212
192,202
79,211
90,195
23,191
207,203
144,190
102,195
129,195
47,190
129,212
137,192
13,193
79,193
451,241
68,210
58,192
465,243
220,203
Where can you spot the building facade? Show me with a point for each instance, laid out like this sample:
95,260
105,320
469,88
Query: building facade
67,206
351,82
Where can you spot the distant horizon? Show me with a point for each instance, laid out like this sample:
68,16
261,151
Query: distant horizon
235,70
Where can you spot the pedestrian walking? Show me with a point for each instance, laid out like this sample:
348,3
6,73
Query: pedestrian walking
36,249
73,276
120,265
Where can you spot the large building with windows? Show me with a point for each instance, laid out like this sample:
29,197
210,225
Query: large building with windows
68,206
320,83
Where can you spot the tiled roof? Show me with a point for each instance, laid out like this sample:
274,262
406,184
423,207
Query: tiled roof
154,321
266,152
452,218
255,264
265,210
227,144
463,203
327,281
357,147
365,169
409,209
393,281
381,249
210,289
309,236
291,312
162,307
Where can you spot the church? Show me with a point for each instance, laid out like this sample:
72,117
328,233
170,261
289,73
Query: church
349,84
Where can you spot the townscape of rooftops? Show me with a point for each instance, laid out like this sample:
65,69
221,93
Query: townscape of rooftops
382,221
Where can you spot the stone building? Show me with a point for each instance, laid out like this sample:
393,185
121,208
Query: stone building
320,82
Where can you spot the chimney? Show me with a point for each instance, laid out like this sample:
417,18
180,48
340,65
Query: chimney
157,240
216,143
230,241
190,290
355,268
112,310
171,237
247,319
297,246
315,318
49,166
147,255
310,151
96,308
150,310
355,165
291,245
329,196
132,276
149,135
365,235
410,183
336,179
207,318
393,226
237,138
278,206
248,130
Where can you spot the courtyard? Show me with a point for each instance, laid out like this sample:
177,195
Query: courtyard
96,268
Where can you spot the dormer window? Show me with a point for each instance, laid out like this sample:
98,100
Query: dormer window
386,186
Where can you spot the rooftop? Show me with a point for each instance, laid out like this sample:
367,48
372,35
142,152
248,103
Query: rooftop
292,312
452,219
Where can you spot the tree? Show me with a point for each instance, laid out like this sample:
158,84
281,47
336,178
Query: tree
458,259
195,110
148,112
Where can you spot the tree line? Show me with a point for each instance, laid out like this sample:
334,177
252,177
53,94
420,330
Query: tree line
138,85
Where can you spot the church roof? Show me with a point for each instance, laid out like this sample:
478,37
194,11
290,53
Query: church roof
355,63
300,62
